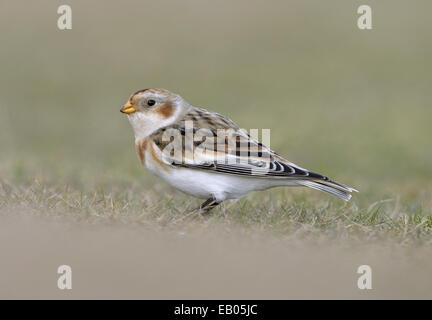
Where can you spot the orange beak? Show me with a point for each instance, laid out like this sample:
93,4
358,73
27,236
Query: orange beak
128,108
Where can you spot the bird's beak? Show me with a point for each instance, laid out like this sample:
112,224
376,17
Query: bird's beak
128,108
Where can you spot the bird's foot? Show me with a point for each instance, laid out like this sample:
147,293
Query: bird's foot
202,210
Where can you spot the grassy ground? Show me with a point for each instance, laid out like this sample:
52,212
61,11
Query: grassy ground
301,215
351,104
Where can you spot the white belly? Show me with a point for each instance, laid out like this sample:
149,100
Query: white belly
203,184
206,184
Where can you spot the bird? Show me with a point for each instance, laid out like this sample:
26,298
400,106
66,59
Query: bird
206,155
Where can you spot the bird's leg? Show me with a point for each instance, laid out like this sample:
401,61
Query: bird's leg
207,205
203,209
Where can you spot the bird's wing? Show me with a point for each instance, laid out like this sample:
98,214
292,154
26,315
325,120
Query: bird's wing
208,141
212,142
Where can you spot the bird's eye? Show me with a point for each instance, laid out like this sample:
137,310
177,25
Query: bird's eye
151,102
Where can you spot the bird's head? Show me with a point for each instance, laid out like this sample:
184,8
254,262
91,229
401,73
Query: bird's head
151,109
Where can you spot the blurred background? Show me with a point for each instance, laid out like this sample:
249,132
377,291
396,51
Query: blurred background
353,104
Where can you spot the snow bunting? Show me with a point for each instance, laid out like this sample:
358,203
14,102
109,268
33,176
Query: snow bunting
206,155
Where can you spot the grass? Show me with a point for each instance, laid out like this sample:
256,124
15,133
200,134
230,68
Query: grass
302,215
350,104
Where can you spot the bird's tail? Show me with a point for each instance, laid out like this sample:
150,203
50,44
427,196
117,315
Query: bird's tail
334,188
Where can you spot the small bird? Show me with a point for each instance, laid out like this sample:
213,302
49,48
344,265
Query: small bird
206,155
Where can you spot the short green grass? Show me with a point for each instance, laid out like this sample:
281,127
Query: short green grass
301,215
